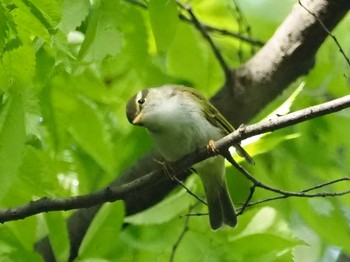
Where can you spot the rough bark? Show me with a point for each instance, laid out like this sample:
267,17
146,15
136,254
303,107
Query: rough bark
289,54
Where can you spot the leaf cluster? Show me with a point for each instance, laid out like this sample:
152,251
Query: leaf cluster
67,69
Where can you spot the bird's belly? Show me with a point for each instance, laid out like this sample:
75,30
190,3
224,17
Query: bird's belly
173,148
176,142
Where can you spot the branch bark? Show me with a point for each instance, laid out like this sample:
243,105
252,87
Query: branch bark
153,178
289,54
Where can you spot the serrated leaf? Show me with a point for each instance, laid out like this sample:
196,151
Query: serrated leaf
266,220
284,108
164,211
21,255
19,63
24,232
29,23
73,14
58,235
36,174
103,37
192,60
4,26
325,217
164,20
103,232
12,139
89,130
260,144
50,10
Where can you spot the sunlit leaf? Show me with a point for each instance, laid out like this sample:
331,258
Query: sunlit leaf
73,13
103,232
89,130
28,23
103,36
164,21
12,139
58,235
20,64
164,211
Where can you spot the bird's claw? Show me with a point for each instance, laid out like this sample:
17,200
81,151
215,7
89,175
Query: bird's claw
212,148
167,169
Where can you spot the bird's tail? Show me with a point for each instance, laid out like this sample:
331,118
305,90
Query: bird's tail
220,206
241,152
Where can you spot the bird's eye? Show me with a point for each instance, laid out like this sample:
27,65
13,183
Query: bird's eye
141,101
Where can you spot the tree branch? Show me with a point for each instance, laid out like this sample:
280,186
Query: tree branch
225,68
289,54
121,192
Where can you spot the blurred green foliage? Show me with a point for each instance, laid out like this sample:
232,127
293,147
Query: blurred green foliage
67,69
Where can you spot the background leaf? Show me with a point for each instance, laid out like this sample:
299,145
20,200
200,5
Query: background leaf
12,139
103,232
164,20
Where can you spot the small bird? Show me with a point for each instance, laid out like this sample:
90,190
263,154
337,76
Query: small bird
181,120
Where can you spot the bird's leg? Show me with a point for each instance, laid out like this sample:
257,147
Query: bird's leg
212,148
167,169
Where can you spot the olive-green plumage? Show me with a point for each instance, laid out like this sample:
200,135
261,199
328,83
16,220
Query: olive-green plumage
180,121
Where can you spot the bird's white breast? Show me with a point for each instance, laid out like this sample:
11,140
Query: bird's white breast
182,130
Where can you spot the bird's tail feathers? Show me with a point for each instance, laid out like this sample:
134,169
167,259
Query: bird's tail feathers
241,152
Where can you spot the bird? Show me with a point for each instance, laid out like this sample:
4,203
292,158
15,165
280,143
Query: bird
181,120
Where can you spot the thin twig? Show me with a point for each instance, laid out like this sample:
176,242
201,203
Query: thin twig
326,184
328,32
247,202
217,53
182,234
323,194
239,36
121,192
209,28
301,193
189,191
169,172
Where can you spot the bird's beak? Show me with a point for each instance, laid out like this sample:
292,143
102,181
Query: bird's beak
137,119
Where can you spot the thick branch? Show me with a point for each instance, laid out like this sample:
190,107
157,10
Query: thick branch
289,54
151,179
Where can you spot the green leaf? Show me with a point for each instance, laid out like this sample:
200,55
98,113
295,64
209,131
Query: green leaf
164,20
326,217
21,255
102,233
12,139
166,210
73,14
36,177
58,235
28,24
191,60
48,10
19,64
103,37
88,128
17,240
284,108
24,231
4,27
263,143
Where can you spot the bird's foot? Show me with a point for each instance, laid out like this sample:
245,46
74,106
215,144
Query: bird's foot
212,148
167,169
